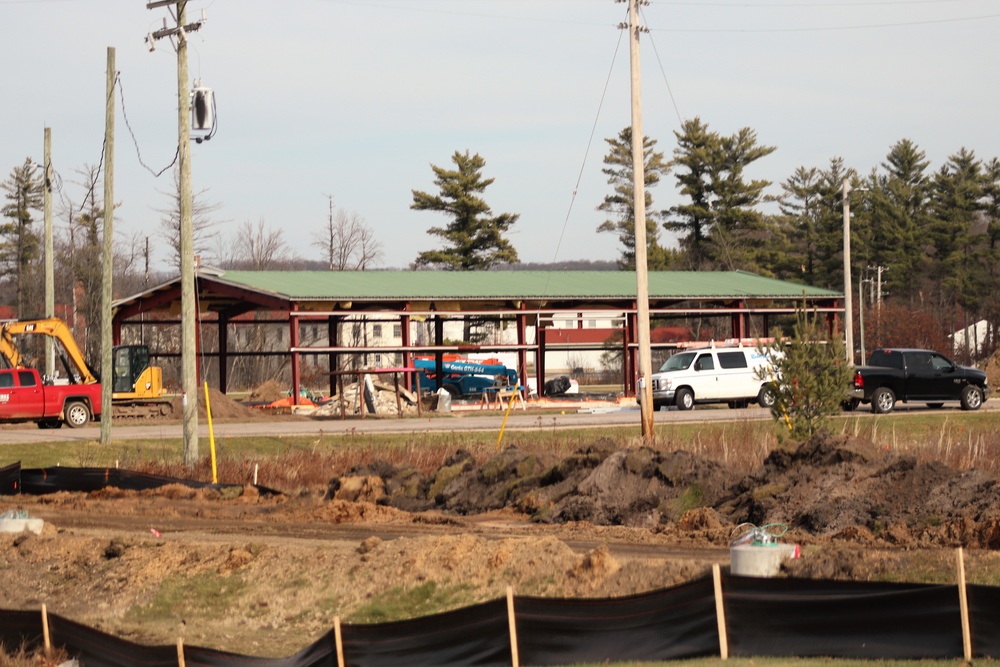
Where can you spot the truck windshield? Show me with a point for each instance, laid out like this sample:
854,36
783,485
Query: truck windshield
678,362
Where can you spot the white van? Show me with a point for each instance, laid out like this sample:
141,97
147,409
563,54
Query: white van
714,375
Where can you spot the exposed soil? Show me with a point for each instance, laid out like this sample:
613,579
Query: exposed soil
223,407
266,574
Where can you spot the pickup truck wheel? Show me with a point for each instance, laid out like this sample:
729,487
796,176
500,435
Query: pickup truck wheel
971,398
684,399
452,389
50,423
883,401
76,414
766,398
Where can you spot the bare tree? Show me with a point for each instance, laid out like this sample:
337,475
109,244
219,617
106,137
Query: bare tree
203,226
348,244
131,263
86,231
255,248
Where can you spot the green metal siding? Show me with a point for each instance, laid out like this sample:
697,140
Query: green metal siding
507,285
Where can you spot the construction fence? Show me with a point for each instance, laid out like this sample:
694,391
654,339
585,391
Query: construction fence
753,617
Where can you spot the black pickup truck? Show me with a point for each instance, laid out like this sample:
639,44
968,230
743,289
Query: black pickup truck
917,375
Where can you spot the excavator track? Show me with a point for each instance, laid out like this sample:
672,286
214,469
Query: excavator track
152,409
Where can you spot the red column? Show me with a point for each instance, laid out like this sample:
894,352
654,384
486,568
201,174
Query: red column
293,341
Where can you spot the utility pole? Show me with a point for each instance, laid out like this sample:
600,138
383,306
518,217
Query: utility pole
861,316
108,258
848,298
644,390
50,291
848,295
878,297
189,311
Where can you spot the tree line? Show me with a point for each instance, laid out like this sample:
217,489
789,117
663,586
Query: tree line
924,241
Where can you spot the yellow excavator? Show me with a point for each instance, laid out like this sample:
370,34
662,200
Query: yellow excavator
136,387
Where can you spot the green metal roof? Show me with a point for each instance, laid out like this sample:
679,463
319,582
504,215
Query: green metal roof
495,285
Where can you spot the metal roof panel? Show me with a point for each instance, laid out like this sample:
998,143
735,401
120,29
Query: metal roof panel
505,285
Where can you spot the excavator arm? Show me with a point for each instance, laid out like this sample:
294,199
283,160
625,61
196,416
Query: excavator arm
53,327
9,349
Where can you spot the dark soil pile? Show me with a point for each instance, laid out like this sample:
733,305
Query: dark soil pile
829,487
846,487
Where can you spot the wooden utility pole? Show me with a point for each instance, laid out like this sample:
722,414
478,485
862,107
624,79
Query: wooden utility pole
189,310
50,292
108,257
848,297
189,361
644,390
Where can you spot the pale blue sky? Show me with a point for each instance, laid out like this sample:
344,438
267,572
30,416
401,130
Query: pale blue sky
357,98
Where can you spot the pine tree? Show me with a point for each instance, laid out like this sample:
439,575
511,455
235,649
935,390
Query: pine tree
830,271
696,154
801,208
475,236
722,227
955,204
899,212
811,378
621,203
20,245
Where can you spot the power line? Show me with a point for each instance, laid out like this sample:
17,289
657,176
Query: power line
872,26
135,142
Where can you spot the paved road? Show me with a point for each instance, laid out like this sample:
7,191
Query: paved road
474,420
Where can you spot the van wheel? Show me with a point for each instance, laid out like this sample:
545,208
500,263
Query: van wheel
76,414
684,399
883,401
971,398
766,398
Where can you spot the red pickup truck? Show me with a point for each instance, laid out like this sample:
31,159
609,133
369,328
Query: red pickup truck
23,398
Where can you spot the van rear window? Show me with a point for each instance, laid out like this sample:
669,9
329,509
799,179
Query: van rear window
732,360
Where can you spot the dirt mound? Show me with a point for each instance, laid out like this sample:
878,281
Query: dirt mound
223,407
268,392
829,487
643,487
844,487
636,487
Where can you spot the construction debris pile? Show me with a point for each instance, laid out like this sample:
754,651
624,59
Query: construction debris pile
368,397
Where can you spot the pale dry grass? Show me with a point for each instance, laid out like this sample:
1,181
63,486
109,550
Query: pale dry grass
954,440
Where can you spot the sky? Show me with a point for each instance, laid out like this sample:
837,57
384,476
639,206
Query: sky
356,99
